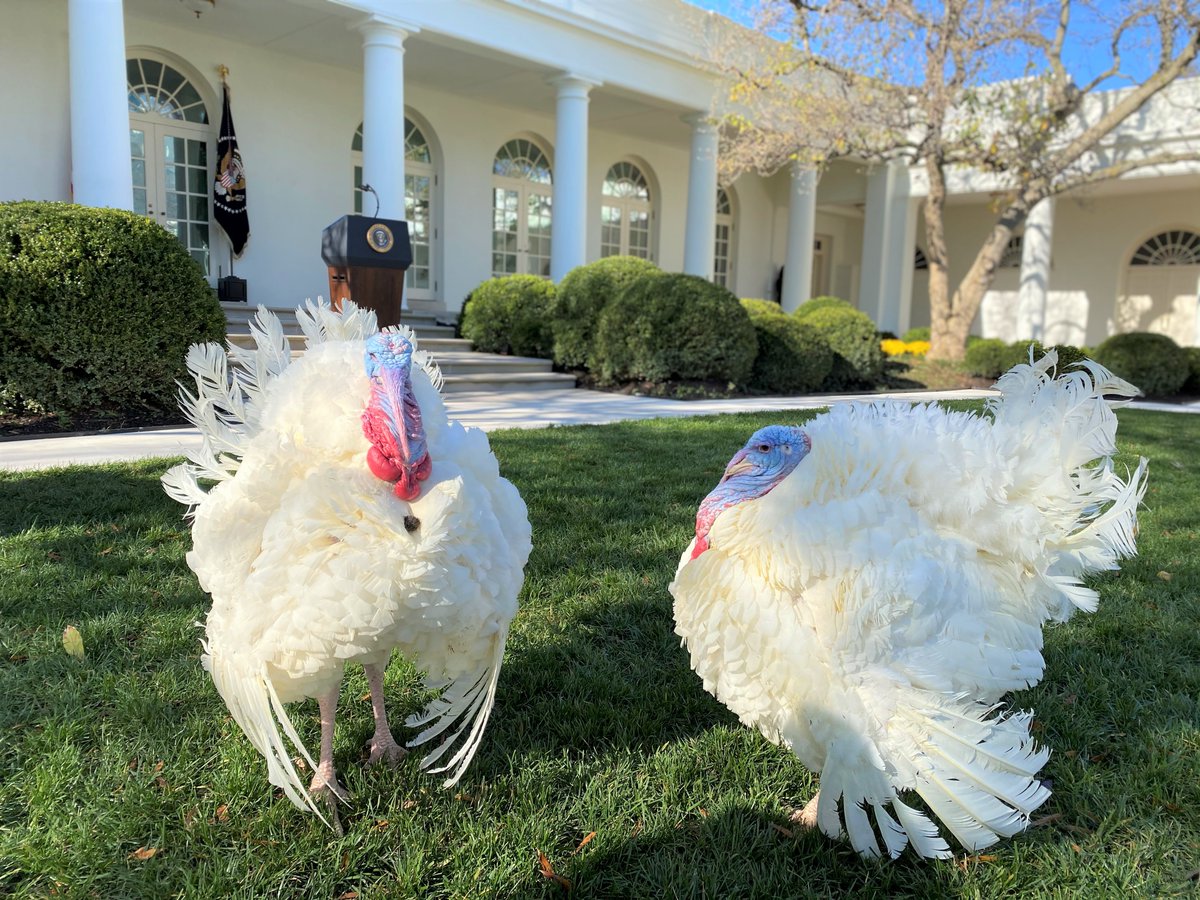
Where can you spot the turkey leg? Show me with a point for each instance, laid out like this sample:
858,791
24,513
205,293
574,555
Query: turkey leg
324,783
382,745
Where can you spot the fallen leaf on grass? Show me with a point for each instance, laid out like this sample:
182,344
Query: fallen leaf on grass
72,642
348,895
1164,575
381,824
143,853
1045,820
1076,848
54,556
586,840
223,813
548,872
786,832
637,829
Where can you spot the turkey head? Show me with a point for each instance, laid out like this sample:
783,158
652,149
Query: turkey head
392,419
768,457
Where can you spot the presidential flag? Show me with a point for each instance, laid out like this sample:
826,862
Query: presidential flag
229,185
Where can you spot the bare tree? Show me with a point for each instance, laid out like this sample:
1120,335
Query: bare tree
920,81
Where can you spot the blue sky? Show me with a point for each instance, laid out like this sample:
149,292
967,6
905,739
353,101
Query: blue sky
1086,54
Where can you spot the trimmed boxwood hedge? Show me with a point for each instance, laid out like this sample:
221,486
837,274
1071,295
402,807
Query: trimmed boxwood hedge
1192,385
792,358
97,309
582,294
510,314
672,326
850,334
819,303
1152,362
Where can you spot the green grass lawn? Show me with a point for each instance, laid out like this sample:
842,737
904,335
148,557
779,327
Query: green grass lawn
122,775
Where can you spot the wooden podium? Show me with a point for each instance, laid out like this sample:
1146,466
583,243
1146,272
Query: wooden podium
367,258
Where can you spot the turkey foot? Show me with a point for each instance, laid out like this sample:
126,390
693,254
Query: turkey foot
382,746
807,817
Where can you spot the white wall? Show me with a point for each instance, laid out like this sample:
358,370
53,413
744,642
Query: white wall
35,145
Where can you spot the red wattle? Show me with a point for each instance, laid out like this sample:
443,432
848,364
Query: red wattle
407,487
381,466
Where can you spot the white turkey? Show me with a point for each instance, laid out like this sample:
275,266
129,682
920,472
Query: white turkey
864,591
339,515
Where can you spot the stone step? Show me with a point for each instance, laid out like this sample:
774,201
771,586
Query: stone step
508,381
469,363
435,325
433,345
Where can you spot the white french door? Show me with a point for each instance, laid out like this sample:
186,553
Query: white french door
172,183
520,228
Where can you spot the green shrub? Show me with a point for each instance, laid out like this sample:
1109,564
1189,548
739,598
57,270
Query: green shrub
1068,356
850,334
510,314
1192,385
916,334
818,303
97,309
992,357
792,358
582,294
755,306
674,326
1152,362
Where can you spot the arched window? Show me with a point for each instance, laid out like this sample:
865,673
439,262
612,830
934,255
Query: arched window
420,183
723,247
1169,248
521,199
625,213
1160,288
170,140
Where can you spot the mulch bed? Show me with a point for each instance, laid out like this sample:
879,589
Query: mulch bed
28,425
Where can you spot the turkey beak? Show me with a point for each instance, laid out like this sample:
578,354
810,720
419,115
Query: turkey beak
737,465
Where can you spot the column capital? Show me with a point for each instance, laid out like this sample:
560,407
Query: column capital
573,84
702,122
386,30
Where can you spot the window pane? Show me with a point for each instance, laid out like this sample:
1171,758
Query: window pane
198,181
152,71
139,173
139,201
198,208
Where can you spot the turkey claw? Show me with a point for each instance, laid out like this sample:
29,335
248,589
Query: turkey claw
386,751
330,794
807,817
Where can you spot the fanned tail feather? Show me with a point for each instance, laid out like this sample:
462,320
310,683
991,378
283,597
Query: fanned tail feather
1059,429
322,324
976,774
467,701
243,684
271,355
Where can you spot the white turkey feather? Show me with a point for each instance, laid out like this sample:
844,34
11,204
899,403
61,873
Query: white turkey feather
312,561
870,609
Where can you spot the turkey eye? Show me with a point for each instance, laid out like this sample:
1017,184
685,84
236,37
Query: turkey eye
764,448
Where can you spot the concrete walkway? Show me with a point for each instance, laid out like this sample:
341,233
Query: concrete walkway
488,410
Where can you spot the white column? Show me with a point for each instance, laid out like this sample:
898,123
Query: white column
907,248
383,113
568,221
801,236
1035,271
100,161
700,235
888,232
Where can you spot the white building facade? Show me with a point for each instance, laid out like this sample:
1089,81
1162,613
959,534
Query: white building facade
525,136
